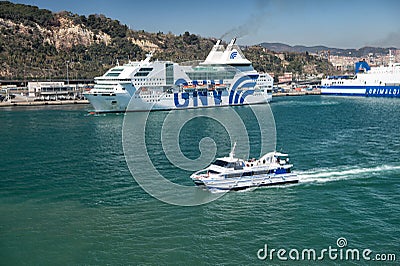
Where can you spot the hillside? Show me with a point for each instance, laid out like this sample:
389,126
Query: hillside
39,44
362,52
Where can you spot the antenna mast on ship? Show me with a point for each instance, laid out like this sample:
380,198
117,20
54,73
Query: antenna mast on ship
232,153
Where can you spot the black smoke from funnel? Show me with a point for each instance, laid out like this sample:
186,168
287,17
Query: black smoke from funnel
252,24
391,40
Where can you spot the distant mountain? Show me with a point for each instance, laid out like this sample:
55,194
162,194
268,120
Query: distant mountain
281,47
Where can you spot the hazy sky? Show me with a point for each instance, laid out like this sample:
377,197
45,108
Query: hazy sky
340,24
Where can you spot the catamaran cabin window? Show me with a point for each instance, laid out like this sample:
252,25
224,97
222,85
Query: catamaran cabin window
238,165
221,163
213,172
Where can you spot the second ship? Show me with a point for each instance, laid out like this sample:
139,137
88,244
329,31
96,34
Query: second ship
379,81
225,78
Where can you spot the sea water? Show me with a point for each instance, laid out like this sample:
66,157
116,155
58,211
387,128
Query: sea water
67,195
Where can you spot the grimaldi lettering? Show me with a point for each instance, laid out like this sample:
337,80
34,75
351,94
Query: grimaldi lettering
384,91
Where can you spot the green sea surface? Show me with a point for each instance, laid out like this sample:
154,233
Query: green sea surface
67,195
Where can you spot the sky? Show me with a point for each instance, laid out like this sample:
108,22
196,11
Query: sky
335,23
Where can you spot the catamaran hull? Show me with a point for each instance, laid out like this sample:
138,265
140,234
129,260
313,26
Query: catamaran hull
236,184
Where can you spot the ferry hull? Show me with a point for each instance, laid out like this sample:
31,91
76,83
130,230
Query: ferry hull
125,103
369,91
379,81
108,104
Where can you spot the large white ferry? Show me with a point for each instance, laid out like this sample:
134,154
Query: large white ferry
382,81
225,78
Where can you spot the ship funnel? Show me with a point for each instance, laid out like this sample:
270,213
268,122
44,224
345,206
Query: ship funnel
148,57
218,42
232,42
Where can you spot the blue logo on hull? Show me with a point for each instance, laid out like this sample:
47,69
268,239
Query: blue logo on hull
185,97
198,98
233,55
181,100
248,81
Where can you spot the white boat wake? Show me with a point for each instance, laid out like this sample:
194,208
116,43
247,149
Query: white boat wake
324,175
344,173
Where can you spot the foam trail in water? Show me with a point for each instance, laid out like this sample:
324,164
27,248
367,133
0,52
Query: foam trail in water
335,174
324,175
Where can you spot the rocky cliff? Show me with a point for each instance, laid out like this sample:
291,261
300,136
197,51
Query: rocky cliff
38,44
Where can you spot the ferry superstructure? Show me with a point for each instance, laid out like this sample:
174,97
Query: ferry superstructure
225,78
381,81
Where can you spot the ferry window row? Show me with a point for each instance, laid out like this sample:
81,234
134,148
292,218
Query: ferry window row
107,79
145,69
111,74
110,89
105,84
149,79
148,83
136,96
104,94
141,74
211,75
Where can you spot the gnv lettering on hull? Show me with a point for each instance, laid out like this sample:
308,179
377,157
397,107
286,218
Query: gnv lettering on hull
198,97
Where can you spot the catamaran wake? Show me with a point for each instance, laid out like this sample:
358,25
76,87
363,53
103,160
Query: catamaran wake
324,175
343,173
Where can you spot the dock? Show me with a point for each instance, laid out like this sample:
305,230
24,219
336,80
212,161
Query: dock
39,103
69,102
296,93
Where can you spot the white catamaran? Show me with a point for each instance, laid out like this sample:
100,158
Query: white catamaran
230,173
225,78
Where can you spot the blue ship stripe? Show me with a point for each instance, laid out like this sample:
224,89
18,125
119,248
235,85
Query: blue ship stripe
375,91
249,85
246,93
359,87
236,85
184,96
231,94
240,80
181,81
237,96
